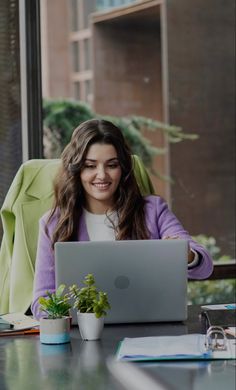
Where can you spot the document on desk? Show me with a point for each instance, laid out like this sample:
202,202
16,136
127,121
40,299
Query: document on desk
185,347
17,323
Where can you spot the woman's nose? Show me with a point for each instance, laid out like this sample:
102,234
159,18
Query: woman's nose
101,172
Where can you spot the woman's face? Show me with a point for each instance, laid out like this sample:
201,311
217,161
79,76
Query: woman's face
100,177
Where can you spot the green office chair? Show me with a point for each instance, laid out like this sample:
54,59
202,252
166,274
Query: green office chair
29,197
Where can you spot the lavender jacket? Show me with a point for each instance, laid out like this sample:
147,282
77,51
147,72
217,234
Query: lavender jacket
160,221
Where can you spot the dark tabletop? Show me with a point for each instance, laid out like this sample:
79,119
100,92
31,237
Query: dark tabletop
25,363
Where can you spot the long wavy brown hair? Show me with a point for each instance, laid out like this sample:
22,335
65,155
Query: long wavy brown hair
69,194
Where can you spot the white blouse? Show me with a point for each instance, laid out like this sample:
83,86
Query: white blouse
100,227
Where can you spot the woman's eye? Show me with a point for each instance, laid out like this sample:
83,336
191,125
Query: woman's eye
113,166
89,166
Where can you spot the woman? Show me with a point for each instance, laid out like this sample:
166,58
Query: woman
97,198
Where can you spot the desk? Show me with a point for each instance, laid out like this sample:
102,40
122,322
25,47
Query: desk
25,363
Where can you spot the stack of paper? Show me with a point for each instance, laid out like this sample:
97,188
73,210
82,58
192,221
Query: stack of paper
17,323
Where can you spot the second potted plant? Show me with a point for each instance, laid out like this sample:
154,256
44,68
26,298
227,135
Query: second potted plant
91,306
55,326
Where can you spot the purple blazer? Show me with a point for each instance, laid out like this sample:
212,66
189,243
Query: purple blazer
160,221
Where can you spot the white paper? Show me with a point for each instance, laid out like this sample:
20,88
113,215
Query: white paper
163,346
20,321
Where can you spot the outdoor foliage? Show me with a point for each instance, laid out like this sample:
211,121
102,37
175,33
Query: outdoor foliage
212,291
61,117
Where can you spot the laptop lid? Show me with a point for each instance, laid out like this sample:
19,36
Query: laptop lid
146,280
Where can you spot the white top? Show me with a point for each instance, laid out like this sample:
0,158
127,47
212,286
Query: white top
100,227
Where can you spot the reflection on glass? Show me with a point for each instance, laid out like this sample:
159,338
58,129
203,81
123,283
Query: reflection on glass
90,372
53,357
21,365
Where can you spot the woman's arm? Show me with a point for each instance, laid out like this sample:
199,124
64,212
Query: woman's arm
44,279
167,225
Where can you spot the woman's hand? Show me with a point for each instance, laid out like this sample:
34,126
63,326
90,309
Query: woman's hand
190,253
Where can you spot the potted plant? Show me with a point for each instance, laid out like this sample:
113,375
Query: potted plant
55,327
91,306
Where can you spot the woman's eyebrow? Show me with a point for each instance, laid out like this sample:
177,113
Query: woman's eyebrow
110,159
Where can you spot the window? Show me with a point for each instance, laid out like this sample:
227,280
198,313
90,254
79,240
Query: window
75,56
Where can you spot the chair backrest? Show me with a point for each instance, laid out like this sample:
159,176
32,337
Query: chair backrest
29,197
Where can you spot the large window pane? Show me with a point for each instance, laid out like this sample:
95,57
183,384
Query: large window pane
10,103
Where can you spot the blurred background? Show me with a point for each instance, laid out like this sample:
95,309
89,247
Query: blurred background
163,70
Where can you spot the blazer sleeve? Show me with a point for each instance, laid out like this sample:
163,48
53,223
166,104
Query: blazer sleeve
163,222
44,279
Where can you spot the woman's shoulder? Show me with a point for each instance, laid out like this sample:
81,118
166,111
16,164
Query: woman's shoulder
48,219
154,200
155,205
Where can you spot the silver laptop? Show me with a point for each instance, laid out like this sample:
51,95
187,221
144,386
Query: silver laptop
146,280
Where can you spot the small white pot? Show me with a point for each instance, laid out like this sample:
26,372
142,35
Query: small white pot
55,331
90,326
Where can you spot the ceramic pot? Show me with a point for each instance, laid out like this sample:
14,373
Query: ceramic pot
55,331
90,326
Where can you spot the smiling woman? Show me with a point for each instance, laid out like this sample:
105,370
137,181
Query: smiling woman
97,198
100,177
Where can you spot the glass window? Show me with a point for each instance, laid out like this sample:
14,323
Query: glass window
103,4
75,56
88,91
89,7
87,54
74,15
76,87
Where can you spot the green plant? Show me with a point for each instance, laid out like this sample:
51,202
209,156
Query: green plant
88,299
56,305
62,116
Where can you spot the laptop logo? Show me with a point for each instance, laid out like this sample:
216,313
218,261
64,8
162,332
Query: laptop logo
122,282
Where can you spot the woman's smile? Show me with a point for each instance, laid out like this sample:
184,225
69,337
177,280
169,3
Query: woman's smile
102,186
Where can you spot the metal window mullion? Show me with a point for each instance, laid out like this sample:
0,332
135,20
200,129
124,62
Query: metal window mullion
31,89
